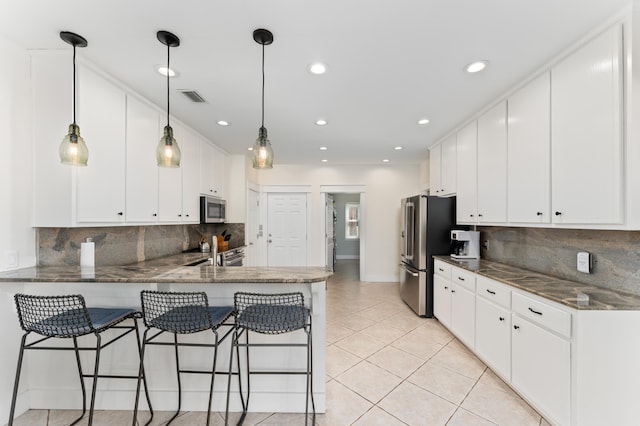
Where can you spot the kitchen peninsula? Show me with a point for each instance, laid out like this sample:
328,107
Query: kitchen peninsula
50,379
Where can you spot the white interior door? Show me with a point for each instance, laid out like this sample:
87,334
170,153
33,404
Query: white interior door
252,231
329,232
286,229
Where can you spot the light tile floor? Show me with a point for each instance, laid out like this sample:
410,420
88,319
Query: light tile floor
385,366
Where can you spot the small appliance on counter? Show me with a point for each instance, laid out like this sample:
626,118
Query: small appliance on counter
465,244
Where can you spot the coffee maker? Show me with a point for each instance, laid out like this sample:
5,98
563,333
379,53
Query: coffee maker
465,244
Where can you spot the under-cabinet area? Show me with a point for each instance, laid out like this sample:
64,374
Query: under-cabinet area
552,340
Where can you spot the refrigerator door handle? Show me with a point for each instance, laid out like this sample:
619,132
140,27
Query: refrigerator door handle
415,274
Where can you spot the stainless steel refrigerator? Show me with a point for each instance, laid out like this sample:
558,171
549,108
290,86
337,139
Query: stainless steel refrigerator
426,224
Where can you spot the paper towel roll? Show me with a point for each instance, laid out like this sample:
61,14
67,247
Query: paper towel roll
87,253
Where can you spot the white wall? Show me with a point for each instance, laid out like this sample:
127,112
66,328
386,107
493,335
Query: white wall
385,186
16,161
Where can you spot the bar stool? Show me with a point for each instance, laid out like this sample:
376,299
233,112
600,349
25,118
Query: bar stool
68,317
271,314
182,313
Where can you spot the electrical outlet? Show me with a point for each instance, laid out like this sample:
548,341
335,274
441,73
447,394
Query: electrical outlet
584,262
11,258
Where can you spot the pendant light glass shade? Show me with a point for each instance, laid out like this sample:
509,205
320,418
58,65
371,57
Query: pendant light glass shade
262,151
168,152
73,150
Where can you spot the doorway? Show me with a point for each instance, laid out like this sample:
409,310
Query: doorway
286,229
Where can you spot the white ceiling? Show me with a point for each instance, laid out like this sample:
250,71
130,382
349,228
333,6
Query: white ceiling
390,63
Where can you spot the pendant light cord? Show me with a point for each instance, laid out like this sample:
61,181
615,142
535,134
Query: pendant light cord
263,84
74,86
168,71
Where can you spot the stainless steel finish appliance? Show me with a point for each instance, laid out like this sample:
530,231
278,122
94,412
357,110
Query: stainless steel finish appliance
212,209
465,244
426,222
232,257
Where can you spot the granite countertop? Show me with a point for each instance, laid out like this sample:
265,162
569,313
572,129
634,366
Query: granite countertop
552,288
170,269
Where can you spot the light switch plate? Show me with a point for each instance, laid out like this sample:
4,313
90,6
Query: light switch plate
584,262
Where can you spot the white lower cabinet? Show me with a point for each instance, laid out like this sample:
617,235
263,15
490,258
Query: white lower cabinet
442,299
541,369
463,312
493,336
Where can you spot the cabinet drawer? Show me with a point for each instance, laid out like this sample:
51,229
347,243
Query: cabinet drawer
494,291
442,268
464,278
542,313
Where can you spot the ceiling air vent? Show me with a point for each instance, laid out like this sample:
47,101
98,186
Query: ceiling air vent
193,96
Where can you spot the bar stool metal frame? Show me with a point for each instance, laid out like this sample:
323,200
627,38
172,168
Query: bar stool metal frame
271,314
67,316
183,313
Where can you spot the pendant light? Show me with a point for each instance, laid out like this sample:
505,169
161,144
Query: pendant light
168,152
72,149
262,151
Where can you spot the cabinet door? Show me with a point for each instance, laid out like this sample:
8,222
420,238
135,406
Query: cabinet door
528,195
442,300
101,116
541,368
170,183
586,123
190,178
435,184
142,169
207,154
492,165
448,166
463,314
220,173
466,174
493,336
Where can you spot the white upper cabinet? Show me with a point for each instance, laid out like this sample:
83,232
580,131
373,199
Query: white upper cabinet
213,170
142,170
101,115
586,137
442,168
528,160
466,174
190,166
492,165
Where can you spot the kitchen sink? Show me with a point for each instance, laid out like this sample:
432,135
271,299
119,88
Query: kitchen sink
197,262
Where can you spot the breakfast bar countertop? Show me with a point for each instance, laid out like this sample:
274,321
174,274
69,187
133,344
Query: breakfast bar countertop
169,269
569,293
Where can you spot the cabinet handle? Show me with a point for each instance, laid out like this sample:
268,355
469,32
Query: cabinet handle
441,190
470,215
187,215
453,291
211,190
535,312
538,213
461,279
446,287
516,327
479,214
440,269
155,214
179,215
558,213
501,318
120,213
491,292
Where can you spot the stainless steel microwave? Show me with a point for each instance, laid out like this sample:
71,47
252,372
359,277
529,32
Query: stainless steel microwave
212,210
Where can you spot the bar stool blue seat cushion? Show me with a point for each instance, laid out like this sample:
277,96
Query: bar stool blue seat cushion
105,317
73,322
271,319
192,318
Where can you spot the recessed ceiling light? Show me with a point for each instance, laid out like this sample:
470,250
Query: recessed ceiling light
323,148
398,148
162,70
476,66
250,148
223,123
321,122
385,160
317,68
423,121
324,160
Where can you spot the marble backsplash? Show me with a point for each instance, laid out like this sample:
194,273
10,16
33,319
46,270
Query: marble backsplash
127,244
616,254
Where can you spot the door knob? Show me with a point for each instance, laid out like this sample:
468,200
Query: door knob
268,241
